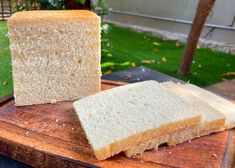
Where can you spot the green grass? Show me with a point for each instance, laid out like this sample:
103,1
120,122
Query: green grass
132,47
127,45
5,62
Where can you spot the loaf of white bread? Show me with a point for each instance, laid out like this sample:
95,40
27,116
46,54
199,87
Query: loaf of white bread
141,116
55,55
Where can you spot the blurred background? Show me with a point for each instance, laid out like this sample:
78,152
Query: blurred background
175,16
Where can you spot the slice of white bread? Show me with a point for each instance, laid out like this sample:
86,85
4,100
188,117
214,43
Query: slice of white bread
212,121
226,107
120,118
55,55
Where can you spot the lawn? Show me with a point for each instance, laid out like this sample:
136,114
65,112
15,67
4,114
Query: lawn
129,46
5,62
130,49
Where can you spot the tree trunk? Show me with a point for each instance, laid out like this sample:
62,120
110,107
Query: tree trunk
203,9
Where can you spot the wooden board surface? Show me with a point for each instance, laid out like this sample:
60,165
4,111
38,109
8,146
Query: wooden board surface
50,135
225,89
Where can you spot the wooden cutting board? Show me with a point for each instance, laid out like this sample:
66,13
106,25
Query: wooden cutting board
50,136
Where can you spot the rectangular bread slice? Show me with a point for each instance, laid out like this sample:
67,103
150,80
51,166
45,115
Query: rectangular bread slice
55,55
226,107
212,121
120,118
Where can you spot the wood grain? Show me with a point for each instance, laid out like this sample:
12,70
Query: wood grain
50,135
225,89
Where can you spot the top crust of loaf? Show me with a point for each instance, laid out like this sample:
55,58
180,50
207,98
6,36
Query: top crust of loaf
51,15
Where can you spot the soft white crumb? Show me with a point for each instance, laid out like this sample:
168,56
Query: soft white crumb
72,128
27,133
57,120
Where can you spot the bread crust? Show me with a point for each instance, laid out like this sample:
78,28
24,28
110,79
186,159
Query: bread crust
37,17
177,137
132,141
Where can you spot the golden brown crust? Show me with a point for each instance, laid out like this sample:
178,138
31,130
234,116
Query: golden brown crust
184,136
50,16
177,137
139,138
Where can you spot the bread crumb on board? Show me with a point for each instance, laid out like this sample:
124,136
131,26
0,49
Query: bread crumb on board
214,155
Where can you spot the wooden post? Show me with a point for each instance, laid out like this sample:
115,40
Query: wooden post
203,9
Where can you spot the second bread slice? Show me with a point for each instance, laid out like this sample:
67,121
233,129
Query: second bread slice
212,121
226,107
